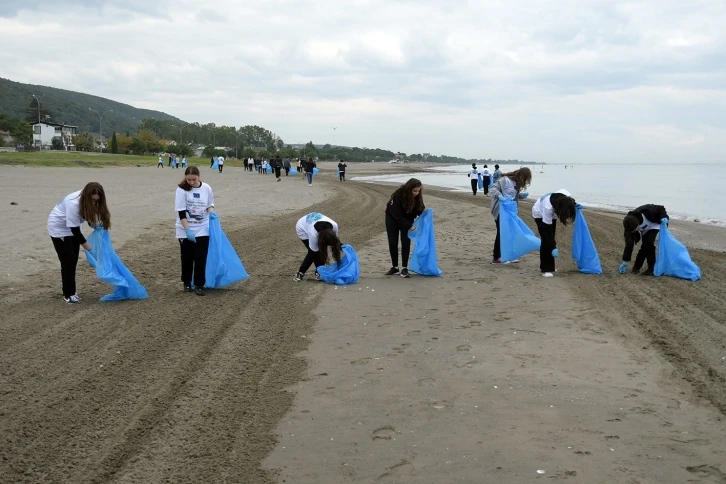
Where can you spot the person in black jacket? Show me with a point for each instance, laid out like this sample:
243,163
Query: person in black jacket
642,225
277,166
309,168
405,205
341,170
287,166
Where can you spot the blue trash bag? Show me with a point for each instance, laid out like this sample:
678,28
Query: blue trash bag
215,166
673,258
347,272
110,269
173,164
491,181
293,171
423,256
315,171
516,239
223,265
480,182
268,169
584,252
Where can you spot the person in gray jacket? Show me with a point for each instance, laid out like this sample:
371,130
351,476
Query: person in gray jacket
509,186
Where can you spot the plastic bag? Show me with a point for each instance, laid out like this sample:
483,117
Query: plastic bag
293,171
480,183
223,265
516,239
315,171
215,165
110,269
673,258
423,256
347,272
584,252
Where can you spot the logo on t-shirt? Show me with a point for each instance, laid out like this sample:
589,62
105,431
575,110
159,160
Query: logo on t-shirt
197,195
313,217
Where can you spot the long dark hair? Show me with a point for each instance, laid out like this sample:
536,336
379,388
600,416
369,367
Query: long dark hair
191,170
565,208
405,193
328,239
522,178
630,224
94,211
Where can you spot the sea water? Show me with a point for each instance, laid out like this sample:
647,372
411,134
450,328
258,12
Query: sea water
689,192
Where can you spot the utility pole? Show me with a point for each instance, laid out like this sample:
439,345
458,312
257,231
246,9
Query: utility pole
100,118
38,101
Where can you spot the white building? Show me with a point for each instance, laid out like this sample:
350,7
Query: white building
43,134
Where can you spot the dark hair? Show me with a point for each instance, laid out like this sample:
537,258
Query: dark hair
94,211
565,208
630,224
191,170
486,166
522,178
310,159
405,192
328,239
496,166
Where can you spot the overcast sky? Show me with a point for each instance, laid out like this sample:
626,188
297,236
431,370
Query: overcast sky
565,80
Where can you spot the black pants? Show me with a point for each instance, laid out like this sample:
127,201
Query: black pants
287,171
194,260
342,176
393,229
160,165
310,258
497,243
220,168
547,234
474,185
67,249
647,250
277,172
486,180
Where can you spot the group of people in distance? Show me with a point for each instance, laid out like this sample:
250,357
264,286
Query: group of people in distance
194,206
173,161
277,164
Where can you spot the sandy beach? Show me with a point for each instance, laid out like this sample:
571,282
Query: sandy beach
486,374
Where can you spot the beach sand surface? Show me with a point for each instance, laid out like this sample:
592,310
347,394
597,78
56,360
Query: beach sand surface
486,374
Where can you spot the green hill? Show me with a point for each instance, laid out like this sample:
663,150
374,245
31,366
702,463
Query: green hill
71,107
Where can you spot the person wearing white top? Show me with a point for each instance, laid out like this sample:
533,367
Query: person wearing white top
64,228
318,233
510,186
486,179
474,178
194,205
161,162
220,162
546,211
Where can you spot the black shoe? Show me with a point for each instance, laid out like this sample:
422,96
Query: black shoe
199,291
648,272
635,271
404,273
392,271
188,288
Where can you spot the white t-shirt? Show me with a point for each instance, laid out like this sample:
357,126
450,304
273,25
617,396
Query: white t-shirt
485,172
543,207
474,173
221,160
196,202
305,228
65,215
647,225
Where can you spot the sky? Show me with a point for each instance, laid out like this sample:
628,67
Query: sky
574,81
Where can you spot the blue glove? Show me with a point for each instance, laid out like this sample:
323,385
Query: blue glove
579,206
213,215
502,198
523,195
623,268
190,235
555,252
664,220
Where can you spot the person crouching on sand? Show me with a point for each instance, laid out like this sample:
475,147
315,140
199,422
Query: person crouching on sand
642,225
319,234
510,186
546,211
194,203
405,205
64,228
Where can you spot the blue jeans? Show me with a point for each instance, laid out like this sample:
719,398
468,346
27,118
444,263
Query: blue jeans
310,177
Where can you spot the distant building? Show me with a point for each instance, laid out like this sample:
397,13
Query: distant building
6,138
43,134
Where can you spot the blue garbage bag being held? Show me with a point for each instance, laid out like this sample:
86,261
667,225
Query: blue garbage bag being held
584,252
347,272
293,171
673,258
480,183
315,171
516,239
423,256
268,168
215,165
223,265
110,269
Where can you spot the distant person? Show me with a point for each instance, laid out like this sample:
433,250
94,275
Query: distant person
546,211
642,225
486,178
341,170
277,166
496,174
211,162
309,169
287,166
319,234
184,162
405,205
510,186
474,177
170,159
220,163
161,162
64,228
194,204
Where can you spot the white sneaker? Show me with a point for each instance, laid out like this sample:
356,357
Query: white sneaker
72,300
547,274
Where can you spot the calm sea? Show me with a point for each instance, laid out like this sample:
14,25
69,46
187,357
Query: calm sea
689,192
